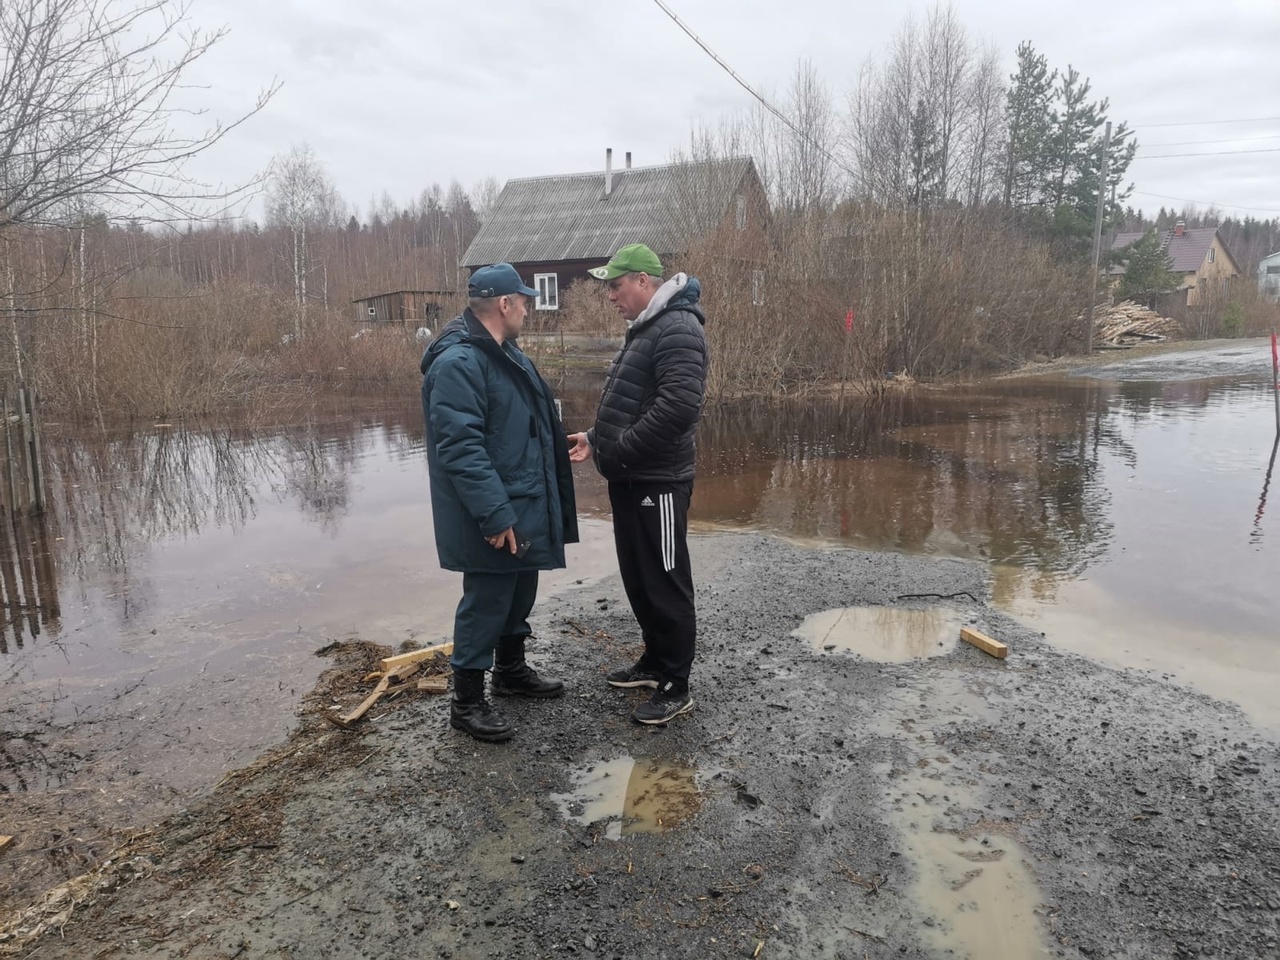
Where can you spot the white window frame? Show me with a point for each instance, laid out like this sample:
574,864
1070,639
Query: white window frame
1211,254
757,288
373,311
548,287
740,212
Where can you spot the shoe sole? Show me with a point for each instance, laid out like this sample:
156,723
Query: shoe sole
633,684
658,721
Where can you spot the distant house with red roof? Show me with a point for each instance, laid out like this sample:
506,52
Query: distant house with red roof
1198,254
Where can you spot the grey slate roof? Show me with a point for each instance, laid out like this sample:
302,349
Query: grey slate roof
542,219
1187,252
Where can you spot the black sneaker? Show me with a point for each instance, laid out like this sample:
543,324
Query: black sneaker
664,705
636,676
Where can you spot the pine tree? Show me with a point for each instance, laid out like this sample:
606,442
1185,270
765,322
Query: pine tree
1147,273
1028,115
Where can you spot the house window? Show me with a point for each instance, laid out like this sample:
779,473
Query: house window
740,212
1211,254
757,288
373,311
1273,270
548,291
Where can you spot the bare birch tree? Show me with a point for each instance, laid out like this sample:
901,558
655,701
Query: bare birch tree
301,200
90,118
929,114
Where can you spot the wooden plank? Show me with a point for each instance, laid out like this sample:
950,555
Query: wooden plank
984,643
400,659
5,841
436,684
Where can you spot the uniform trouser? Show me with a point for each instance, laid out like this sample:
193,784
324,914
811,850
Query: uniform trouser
493,606
650,528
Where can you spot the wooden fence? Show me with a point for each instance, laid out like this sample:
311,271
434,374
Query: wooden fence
22,474
28,581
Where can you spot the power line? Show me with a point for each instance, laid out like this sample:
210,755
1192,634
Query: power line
1211,153
747,87
1201,123
1205,203
1205,143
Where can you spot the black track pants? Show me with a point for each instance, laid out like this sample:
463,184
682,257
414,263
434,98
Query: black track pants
650,526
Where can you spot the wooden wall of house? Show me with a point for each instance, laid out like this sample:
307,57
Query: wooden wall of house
1213,277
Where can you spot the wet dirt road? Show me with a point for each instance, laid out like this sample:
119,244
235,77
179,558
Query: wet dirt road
822,803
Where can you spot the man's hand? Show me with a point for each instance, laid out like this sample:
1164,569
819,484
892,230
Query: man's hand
579,448
507,538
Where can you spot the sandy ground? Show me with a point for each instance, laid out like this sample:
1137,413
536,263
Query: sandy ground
817,803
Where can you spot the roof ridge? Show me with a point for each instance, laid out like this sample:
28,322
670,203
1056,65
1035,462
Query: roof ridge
616,170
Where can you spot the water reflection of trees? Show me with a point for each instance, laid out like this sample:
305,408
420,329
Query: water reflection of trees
1010,474
114,493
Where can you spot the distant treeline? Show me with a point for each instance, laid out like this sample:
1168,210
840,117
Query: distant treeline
935,220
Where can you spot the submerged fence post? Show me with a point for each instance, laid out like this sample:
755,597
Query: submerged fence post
23,473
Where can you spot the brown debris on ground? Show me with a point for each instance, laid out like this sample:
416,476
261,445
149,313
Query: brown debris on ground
1127,323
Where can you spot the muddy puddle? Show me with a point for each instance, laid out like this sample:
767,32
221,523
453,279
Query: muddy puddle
632,795
973,882
884,634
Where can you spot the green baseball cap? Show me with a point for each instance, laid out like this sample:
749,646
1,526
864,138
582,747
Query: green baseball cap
633,258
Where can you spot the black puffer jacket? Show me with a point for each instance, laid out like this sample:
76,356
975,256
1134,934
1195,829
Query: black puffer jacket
653,394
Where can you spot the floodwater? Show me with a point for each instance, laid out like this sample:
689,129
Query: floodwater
160,621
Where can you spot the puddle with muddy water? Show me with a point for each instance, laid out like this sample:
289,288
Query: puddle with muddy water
633,795
974,885
883,634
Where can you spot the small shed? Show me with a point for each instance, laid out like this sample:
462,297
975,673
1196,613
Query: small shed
417,307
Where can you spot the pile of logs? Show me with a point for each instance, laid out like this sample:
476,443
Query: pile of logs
1126,323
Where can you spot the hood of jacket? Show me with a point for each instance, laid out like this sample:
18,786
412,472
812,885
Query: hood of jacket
681,290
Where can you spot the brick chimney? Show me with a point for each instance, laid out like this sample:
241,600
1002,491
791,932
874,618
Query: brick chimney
1179,228
628,159
608,171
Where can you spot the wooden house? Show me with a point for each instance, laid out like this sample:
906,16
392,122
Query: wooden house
553,229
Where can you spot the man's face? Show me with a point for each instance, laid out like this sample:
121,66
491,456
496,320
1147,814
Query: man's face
630,294
513,308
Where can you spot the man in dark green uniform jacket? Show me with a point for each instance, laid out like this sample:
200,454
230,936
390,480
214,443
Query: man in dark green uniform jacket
501,492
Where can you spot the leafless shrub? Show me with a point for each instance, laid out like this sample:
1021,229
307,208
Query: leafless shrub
585,310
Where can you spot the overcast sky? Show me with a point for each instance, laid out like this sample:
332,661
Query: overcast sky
396,94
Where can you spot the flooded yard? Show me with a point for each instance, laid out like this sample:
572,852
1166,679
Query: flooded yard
161,620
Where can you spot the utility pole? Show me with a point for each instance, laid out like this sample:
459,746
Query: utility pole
1097,239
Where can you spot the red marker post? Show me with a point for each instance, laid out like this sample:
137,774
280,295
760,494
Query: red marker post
1275,376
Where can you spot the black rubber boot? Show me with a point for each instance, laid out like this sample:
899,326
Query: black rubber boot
470,711
513,677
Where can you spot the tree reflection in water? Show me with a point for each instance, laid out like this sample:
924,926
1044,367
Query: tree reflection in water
1005,474
113,494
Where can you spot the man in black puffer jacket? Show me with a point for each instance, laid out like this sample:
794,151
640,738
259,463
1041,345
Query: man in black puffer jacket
643,444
